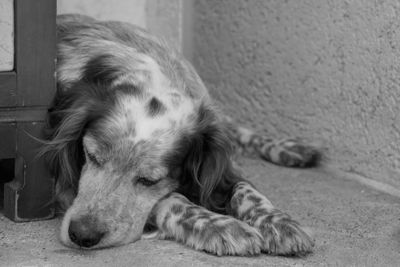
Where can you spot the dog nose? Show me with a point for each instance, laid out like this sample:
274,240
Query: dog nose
85,232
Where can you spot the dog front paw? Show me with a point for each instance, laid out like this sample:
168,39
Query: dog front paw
231,238
284,236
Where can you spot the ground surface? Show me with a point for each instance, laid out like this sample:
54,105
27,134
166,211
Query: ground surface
353,225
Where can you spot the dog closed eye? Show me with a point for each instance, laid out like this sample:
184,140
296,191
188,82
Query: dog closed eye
93,159
146,182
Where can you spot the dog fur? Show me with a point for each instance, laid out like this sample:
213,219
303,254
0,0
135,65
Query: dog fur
136,142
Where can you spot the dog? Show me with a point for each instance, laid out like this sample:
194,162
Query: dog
140,150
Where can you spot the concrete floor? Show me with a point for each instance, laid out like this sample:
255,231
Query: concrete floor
353,226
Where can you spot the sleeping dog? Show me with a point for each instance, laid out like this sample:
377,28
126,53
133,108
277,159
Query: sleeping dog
136,142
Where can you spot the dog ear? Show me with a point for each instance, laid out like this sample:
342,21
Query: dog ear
71,112
207,171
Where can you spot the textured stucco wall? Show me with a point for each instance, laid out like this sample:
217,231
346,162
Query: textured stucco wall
6,35
327,70
132,11
161,17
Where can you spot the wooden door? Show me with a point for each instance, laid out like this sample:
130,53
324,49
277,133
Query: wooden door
25,94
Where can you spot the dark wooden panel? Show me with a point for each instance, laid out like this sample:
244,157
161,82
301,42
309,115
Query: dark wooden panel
7,140
22,114
23,101
8,86
35,46
30,195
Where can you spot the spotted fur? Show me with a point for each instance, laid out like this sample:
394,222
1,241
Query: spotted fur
136,142
281,234
287,152
176,217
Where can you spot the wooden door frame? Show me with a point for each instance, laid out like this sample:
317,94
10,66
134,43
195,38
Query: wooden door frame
25,94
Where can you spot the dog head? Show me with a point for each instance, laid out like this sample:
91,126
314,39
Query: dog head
122,139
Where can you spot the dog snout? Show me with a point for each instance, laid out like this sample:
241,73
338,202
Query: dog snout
85,232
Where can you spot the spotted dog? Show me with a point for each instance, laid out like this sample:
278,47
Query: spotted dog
137,144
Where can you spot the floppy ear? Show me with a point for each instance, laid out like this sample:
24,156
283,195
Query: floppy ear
207,173
67,119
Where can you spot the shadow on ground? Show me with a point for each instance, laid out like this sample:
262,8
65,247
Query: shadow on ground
352,224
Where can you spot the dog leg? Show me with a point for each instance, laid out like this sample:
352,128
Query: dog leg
281,234
179,219
286,152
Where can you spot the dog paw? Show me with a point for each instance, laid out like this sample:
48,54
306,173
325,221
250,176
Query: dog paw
232,238
291,153
285,237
